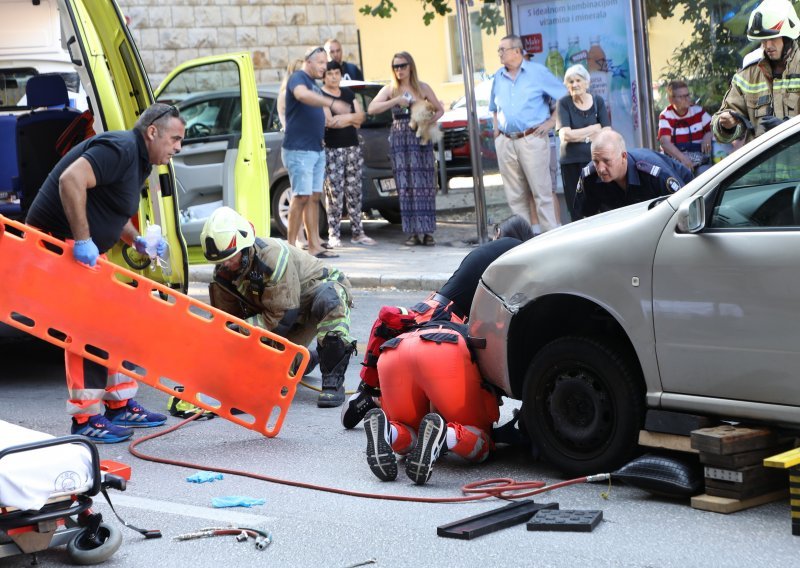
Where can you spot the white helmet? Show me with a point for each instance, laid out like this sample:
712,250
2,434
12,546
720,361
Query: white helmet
773,18
224,234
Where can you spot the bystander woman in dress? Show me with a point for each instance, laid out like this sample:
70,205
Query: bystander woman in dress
412,163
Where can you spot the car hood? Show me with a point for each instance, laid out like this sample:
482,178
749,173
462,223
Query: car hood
459,115
619,242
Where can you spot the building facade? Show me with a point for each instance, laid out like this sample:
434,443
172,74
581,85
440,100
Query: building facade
274,31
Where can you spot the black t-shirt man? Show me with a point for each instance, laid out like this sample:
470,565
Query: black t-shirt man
121,166
461,286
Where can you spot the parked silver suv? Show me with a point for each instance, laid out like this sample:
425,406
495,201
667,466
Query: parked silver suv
687,303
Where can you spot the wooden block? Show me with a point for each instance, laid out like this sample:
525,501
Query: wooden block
735,461
679,423
744,493
727,439
725,505
751,474
665,441
784,460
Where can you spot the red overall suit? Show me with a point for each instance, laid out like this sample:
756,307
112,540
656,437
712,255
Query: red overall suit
433,366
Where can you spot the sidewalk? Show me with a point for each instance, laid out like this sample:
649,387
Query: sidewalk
391,264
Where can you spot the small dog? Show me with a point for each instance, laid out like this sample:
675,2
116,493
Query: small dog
422,123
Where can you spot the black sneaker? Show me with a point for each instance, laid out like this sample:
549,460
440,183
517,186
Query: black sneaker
380,455
358,405
430,442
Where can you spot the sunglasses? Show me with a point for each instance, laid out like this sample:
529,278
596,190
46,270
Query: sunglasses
170,110
313,52
399,66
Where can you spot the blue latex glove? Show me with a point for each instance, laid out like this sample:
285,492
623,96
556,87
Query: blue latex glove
140,244
236,501
86,252
204,476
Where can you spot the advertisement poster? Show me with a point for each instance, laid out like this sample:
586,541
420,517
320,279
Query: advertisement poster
596,34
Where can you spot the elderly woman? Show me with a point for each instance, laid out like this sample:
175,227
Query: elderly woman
580,117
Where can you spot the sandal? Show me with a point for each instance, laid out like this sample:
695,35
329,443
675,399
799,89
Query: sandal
428,241
412,241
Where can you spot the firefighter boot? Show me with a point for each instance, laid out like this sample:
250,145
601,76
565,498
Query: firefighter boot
334,354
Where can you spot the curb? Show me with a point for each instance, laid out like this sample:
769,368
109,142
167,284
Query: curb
424,282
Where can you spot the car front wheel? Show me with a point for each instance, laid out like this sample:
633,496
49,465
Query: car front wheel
280,198
583,404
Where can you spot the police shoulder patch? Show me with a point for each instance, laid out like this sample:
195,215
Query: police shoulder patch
648,168
673,184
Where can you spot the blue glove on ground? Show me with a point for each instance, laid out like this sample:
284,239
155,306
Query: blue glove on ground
204,476
236,501
86,252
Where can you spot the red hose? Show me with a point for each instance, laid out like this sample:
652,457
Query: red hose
502,488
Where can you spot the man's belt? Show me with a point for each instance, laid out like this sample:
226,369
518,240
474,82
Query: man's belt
523,134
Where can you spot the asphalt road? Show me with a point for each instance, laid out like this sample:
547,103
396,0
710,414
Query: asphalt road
323,529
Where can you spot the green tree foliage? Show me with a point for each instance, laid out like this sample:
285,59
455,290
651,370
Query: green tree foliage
490,15
708,59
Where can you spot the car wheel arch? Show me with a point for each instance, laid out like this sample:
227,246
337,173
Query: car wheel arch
558,315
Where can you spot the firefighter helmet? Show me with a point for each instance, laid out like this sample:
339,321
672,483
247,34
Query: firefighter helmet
224,234
772,19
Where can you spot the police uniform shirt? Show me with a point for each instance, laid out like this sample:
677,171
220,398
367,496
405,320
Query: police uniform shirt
121,167
649,175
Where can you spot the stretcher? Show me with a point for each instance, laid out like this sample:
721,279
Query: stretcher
46,490
165,339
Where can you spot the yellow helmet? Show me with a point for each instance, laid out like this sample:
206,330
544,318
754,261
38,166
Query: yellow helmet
224,234
773,18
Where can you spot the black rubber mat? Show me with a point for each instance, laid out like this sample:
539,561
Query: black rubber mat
565,520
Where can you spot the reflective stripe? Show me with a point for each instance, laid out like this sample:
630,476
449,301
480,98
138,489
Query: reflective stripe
751,88
281,263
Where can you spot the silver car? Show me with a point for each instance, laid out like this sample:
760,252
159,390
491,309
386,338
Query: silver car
213,122
686,303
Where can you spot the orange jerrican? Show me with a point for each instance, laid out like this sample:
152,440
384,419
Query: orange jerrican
172,338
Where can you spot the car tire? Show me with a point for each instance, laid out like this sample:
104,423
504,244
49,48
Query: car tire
279,206
583,405
391,215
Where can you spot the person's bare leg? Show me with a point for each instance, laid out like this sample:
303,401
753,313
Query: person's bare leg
296,207
311,222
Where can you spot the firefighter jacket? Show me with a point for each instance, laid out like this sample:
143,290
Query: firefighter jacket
755,94
276,288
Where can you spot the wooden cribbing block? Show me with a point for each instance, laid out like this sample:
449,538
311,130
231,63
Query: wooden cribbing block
742,459
679,423
744,483
725,505
784,460
790,460
665,441
725,440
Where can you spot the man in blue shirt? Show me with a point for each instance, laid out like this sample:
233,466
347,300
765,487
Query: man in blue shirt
617,177
350,71
522,120
302,150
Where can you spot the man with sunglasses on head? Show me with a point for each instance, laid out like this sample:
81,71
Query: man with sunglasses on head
89,198
302,151
764,92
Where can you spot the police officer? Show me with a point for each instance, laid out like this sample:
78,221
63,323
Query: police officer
616,177
278,287
764,92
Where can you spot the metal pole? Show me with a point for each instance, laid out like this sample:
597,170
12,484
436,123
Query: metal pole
462,15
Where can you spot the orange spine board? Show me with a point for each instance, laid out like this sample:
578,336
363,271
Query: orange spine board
111,315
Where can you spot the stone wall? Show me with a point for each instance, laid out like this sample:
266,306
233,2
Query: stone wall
275,32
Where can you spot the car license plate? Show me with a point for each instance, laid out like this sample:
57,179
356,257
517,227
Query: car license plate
388,185
448,155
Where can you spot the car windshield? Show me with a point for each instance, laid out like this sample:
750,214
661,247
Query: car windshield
364,95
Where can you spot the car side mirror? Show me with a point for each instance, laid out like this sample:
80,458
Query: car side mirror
692,215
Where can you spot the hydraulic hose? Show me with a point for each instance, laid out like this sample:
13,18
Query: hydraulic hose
501,488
